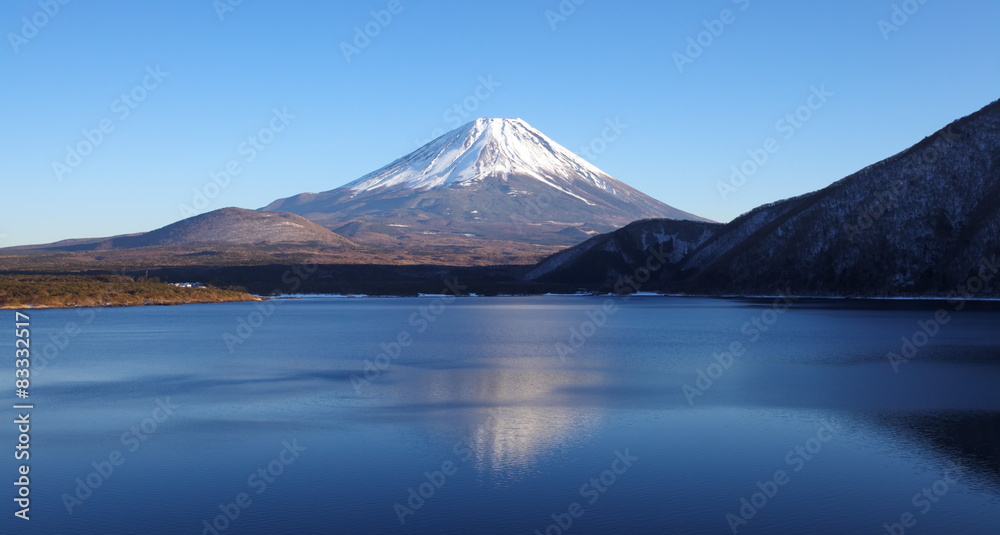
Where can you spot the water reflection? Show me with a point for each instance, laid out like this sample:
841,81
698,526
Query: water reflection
510,418
971,439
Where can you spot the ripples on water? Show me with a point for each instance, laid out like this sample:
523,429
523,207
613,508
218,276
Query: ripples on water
483,387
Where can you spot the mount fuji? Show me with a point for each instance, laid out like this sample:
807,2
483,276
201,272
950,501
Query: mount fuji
488,183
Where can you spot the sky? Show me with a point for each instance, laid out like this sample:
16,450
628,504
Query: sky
122,117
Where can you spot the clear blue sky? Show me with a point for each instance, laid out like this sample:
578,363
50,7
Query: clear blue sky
606,60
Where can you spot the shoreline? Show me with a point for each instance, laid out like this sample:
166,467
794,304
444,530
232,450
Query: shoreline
128,305
189,296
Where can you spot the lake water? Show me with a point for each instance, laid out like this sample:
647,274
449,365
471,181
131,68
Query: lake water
482,423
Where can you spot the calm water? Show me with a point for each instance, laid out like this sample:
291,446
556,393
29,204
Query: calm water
503,430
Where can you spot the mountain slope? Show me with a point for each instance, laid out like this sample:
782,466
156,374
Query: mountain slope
238,226
492,179
917,223
605,260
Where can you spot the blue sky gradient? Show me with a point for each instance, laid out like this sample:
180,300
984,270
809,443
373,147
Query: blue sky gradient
282,66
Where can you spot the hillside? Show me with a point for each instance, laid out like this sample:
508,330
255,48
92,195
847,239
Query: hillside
226,226
920,223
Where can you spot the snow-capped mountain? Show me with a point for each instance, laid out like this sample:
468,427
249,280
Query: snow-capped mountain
488,148
491,179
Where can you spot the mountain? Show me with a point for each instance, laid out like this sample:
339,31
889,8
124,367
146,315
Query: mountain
227,226
226,237
918,223
238,237
491,180
603,260
492,192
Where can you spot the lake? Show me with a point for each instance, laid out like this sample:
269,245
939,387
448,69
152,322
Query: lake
502,415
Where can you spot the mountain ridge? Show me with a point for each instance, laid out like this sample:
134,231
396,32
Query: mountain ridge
231,226
919,222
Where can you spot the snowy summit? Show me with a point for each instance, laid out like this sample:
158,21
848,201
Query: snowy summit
486,148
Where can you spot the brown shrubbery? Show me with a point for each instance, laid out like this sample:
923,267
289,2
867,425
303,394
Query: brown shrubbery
21,291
